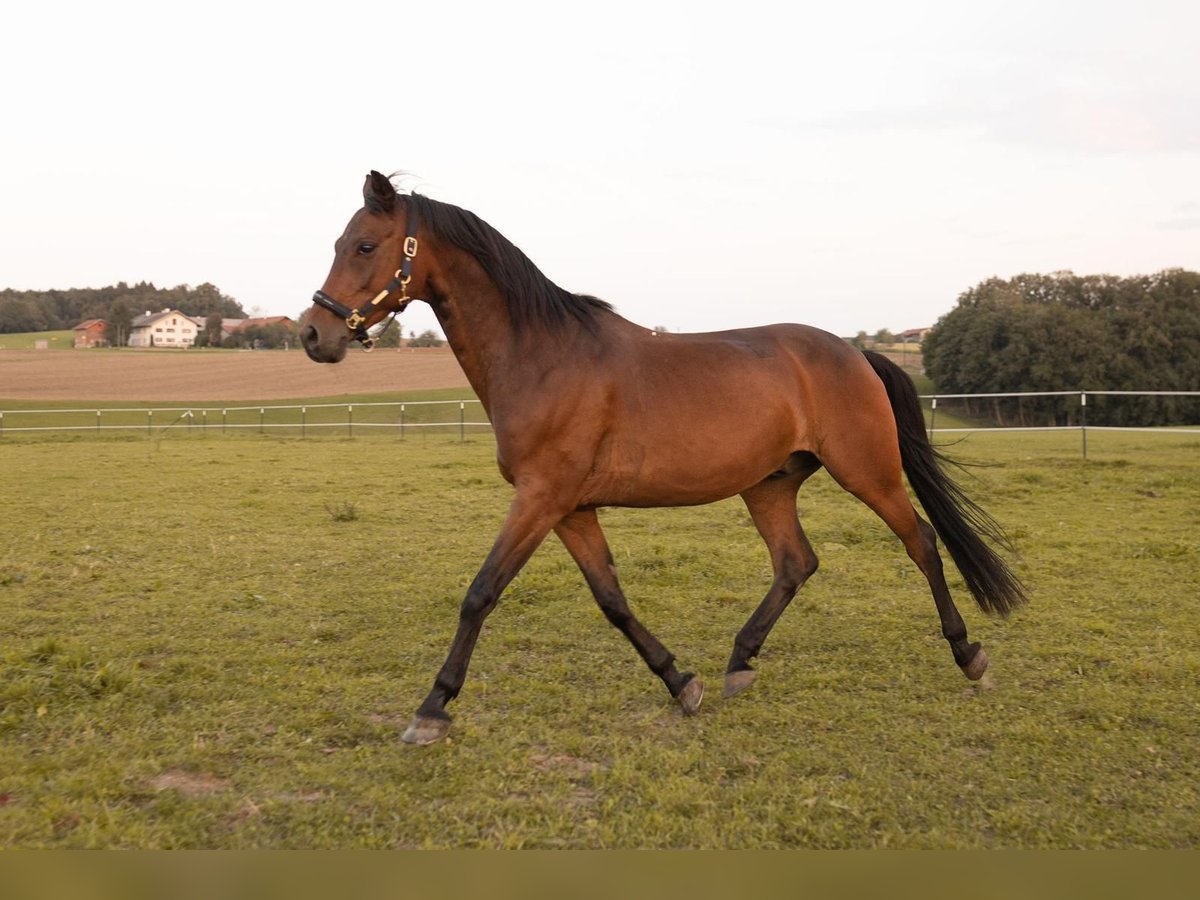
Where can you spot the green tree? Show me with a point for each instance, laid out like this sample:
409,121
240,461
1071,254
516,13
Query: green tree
58,309
390,336
1063,332
120,322
19,315
212,330
275,336
427,338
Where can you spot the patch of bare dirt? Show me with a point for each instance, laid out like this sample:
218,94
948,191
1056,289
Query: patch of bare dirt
199,376
190,784
572,766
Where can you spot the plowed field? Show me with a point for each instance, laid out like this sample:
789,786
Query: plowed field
199,376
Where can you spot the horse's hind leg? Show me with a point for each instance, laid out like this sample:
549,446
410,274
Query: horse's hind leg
772,506
581,535
890,502
922,549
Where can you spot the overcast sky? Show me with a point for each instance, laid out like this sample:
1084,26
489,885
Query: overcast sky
701,165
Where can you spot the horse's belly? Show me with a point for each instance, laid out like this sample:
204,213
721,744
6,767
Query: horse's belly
682,469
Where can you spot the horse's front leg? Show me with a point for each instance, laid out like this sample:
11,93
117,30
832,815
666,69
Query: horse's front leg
530,519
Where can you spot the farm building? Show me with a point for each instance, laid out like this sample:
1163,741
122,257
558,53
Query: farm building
913,335
169,328
91,333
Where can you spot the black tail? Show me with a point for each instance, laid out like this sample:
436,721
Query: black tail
958,520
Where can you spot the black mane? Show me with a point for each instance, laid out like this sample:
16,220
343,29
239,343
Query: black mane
532,297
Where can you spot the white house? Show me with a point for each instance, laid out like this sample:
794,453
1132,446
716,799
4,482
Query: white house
169,328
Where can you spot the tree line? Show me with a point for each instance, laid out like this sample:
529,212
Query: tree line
22,312
257,336
118,304
1061,332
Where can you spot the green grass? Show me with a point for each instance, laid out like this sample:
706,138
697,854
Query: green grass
200,646
56,340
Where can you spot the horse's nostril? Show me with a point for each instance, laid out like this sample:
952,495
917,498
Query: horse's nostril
323,348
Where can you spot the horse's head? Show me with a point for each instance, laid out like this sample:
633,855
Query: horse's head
374,274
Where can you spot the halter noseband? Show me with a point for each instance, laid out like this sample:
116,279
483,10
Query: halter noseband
356,318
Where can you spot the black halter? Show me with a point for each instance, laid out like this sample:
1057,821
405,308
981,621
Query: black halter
356,318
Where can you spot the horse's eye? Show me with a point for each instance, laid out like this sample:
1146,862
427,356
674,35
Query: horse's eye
366,249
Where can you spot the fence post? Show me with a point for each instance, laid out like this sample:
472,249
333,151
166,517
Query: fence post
1083,420
150,422
262,415
204,422
932,417
401,421
303,421
224,416
349,420
462,417
97,421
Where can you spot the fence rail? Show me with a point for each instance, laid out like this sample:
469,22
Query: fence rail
448,416
1082,427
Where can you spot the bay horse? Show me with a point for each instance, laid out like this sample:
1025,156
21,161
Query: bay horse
590,410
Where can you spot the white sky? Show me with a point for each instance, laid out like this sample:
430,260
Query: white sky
700,165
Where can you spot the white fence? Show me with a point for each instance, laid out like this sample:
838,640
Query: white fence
459,417
1082,426
454,417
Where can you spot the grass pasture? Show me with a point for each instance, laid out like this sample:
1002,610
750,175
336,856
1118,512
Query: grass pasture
216,641
54,340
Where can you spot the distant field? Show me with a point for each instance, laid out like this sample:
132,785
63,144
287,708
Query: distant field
216,642
55,340
88,380
196,376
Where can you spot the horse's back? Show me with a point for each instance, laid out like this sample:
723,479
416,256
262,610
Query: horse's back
805,367
690,418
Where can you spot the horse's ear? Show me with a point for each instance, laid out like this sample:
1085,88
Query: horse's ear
378,193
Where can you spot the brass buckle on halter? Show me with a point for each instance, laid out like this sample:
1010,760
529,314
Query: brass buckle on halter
354,320
410,246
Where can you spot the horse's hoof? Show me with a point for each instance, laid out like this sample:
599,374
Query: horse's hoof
977,666
426,730
691,695
736,682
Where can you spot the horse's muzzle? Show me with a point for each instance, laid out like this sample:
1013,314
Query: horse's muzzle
328,349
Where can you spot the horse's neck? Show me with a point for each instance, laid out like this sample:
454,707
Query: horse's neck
498,359
475,318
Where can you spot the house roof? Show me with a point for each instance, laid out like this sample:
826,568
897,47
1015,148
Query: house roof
87,324
150,318
232,325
